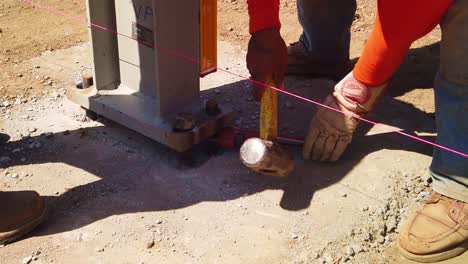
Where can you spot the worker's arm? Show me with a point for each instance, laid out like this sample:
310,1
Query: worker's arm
267,54
399,23
263,14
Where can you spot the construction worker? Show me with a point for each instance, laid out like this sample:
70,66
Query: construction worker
439,229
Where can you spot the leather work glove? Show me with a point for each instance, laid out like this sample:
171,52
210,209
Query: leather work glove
330,132
266,58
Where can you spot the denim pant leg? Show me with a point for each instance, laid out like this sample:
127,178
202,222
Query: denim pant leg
326,28
450,171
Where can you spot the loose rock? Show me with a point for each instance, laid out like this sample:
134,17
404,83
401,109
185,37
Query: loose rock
27,260
150,244
357,248
349,251
5,159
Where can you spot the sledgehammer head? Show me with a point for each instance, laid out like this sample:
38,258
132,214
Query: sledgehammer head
266,157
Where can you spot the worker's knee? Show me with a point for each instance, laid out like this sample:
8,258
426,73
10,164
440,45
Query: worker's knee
454,47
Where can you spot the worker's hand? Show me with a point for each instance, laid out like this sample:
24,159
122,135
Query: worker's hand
330,131
266,58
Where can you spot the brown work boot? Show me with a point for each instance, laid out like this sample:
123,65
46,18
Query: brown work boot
20,212
299,63
438,231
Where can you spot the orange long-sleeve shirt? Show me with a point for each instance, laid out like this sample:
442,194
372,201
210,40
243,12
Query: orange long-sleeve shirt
399,23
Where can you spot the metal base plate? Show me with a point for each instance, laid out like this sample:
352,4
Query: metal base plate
138,112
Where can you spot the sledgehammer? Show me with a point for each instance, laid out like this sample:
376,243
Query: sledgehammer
262,154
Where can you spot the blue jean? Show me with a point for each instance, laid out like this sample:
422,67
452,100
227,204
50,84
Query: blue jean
450,171
326,28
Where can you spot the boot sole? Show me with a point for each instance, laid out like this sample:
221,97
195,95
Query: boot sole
26,228
449,254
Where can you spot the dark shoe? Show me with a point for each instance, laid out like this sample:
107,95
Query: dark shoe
300,63
20,212
436,232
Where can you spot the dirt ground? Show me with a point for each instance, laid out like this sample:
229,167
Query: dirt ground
118,197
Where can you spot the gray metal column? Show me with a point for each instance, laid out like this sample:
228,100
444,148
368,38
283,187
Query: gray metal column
104,44
178,28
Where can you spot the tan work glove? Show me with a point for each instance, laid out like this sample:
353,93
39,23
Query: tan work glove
330,132
267,57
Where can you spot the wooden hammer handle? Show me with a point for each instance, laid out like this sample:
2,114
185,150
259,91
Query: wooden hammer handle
269,113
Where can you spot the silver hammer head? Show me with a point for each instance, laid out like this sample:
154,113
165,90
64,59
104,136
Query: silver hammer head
266,157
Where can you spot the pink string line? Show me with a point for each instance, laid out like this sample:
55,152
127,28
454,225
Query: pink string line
180,55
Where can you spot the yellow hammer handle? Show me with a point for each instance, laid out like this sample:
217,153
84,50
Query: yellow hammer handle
269,113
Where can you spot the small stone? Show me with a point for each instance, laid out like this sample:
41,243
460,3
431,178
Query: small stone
16,150
27,260
343,194
32,129
5,159
294,236
328,259
158,222
316,254
99,249
250,98
321,261
367,236
35,145
422,196
349,251
380,239
6,104
357,248
230,29
391,224
150,244
14,175
37,66
23,159
217,91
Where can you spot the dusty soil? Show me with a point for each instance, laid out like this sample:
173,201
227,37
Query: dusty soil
118,197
